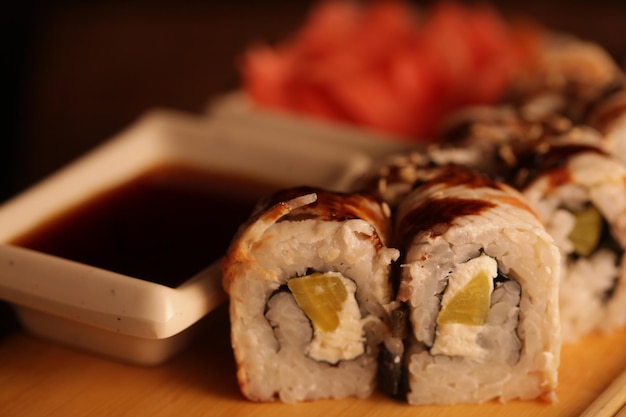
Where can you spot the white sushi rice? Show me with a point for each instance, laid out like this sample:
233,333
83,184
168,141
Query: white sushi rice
599,180
521,339
272,340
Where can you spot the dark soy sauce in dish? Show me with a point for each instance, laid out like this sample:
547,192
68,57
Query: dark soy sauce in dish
163,226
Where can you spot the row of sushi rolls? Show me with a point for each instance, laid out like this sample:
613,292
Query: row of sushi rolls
455,271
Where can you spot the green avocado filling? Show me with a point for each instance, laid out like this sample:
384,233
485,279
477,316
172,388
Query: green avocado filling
587,230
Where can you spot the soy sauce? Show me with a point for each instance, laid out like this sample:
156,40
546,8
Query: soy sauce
164,226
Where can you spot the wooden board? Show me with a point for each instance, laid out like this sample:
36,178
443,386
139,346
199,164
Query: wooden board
39,378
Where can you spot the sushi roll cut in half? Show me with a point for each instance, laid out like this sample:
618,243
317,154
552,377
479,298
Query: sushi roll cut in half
308,279
580,193
479,278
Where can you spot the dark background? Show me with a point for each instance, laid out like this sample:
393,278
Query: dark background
76,72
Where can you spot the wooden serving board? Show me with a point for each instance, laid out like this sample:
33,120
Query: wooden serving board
39,378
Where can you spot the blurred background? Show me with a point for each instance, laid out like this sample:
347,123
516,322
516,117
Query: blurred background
78,72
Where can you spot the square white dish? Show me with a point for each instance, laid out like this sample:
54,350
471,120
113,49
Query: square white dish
122,316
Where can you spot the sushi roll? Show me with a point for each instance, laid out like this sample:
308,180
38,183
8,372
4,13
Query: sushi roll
479,278
579,192
308,280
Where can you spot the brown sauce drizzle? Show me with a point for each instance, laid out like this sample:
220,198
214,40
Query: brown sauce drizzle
606,105
611,116
332,206
437,215
552,162
454,175
559,176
